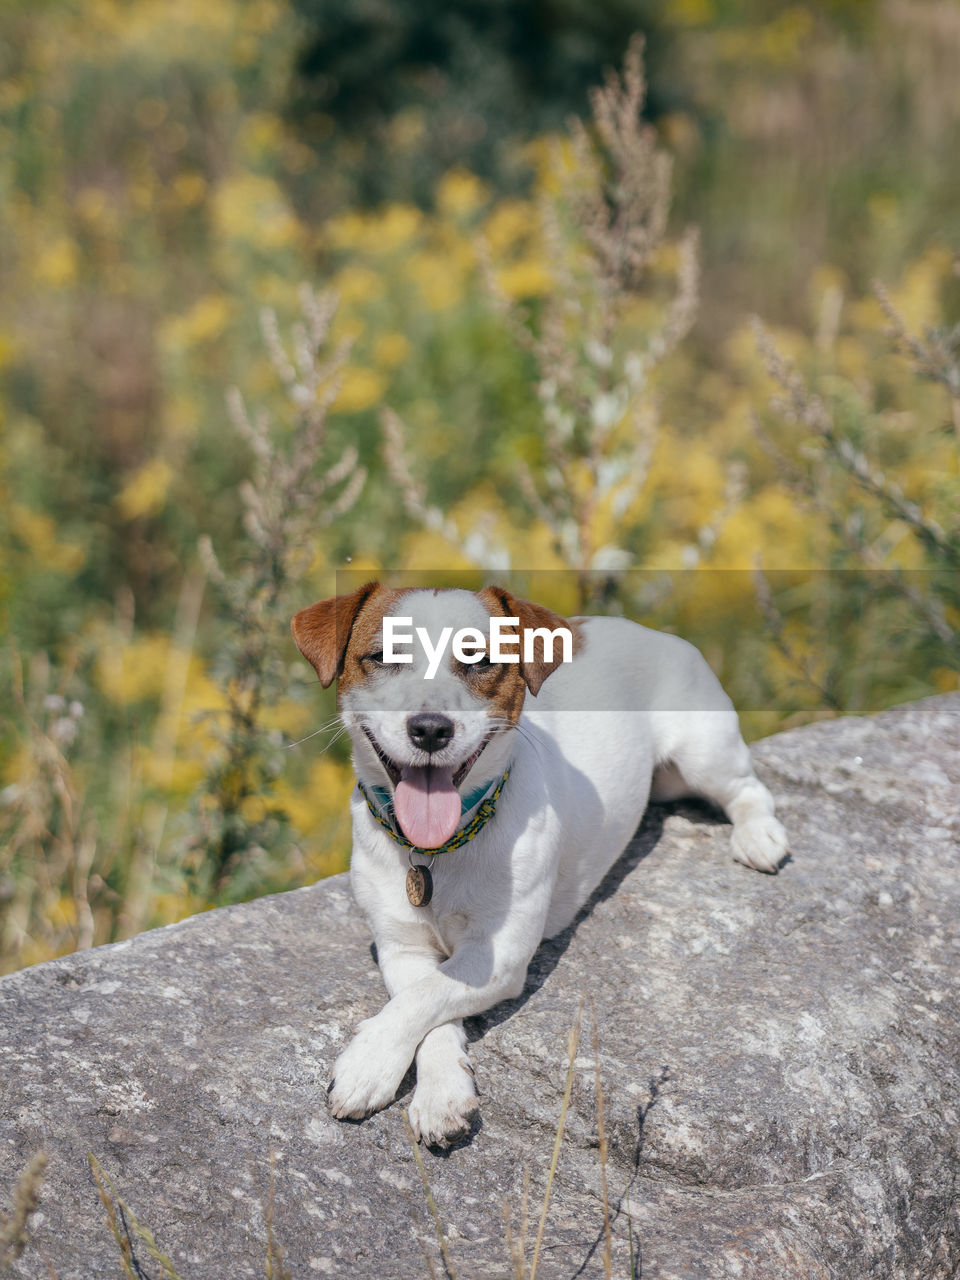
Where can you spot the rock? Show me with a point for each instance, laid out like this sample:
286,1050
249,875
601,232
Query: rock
780,1061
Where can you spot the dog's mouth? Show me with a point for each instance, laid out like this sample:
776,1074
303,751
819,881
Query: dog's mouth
395,771
426,801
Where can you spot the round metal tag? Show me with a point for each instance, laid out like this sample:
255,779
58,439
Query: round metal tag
419,886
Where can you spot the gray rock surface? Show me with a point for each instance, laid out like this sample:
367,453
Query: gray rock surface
780,1059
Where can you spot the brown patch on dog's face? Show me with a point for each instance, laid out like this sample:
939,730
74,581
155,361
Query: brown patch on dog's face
337,635
515,678
365,641
500,684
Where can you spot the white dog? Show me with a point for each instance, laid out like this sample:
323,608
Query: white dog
525,802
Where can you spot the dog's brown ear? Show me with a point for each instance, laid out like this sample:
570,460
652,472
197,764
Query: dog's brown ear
322,630
531,615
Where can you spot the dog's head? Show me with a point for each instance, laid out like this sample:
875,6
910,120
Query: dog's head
427,740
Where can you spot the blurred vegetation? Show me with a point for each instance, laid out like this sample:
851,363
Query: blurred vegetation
169,173
391,96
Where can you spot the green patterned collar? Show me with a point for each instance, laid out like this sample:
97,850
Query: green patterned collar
487,798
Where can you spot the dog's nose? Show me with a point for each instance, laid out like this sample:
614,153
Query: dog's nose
430,731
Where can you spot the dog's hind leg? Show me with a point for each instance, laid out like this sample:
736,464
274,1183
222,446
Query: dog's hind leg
668,784
708,755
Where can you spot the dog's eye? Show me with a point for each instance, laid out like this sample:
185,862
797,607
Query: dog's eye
483,663
375,658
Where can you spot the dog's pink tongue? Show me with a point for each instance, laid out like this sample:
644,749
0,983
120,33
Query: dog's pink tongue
427,805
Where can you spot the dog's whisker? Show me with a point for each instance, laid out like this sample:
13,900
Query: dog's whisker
340,734
324,728
327,746
538,744
527,732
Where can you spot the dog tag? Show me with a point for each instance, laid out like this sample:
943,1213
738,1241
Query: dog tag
419,886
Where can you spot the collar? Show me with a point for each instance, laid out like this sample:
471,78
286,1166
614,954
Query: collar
483,798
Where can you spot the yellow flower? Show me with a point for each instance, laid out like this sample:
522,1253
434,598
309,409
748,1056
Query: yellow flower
668,556
189,188
63,913
397,225
345,231
38,533
131,672
278,291
172,774
553,159
691,13
528,278
57,263
691,481
392,349
334,857
743,355
771,520
459,192
439,284
252,208
253,809
852,356
325,795
204,322
168,908
202,702
20,767
145,493
377,233
355,283
425,551
291,718
917,297
345,328
360,389
510,221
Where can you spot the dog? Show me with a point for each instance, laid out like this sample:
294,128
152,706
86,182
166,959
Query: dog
527,779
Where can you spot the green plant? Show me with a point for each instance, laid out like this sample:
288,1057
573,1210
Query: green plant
296,490
899,551
611,313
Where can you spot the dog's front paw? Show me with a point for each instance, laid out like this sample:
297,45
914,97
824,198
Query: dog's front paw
759,842
367,1074
443,1104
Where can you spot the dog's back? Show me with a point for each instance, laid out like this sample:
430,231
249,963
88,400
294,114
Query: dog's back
601,728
